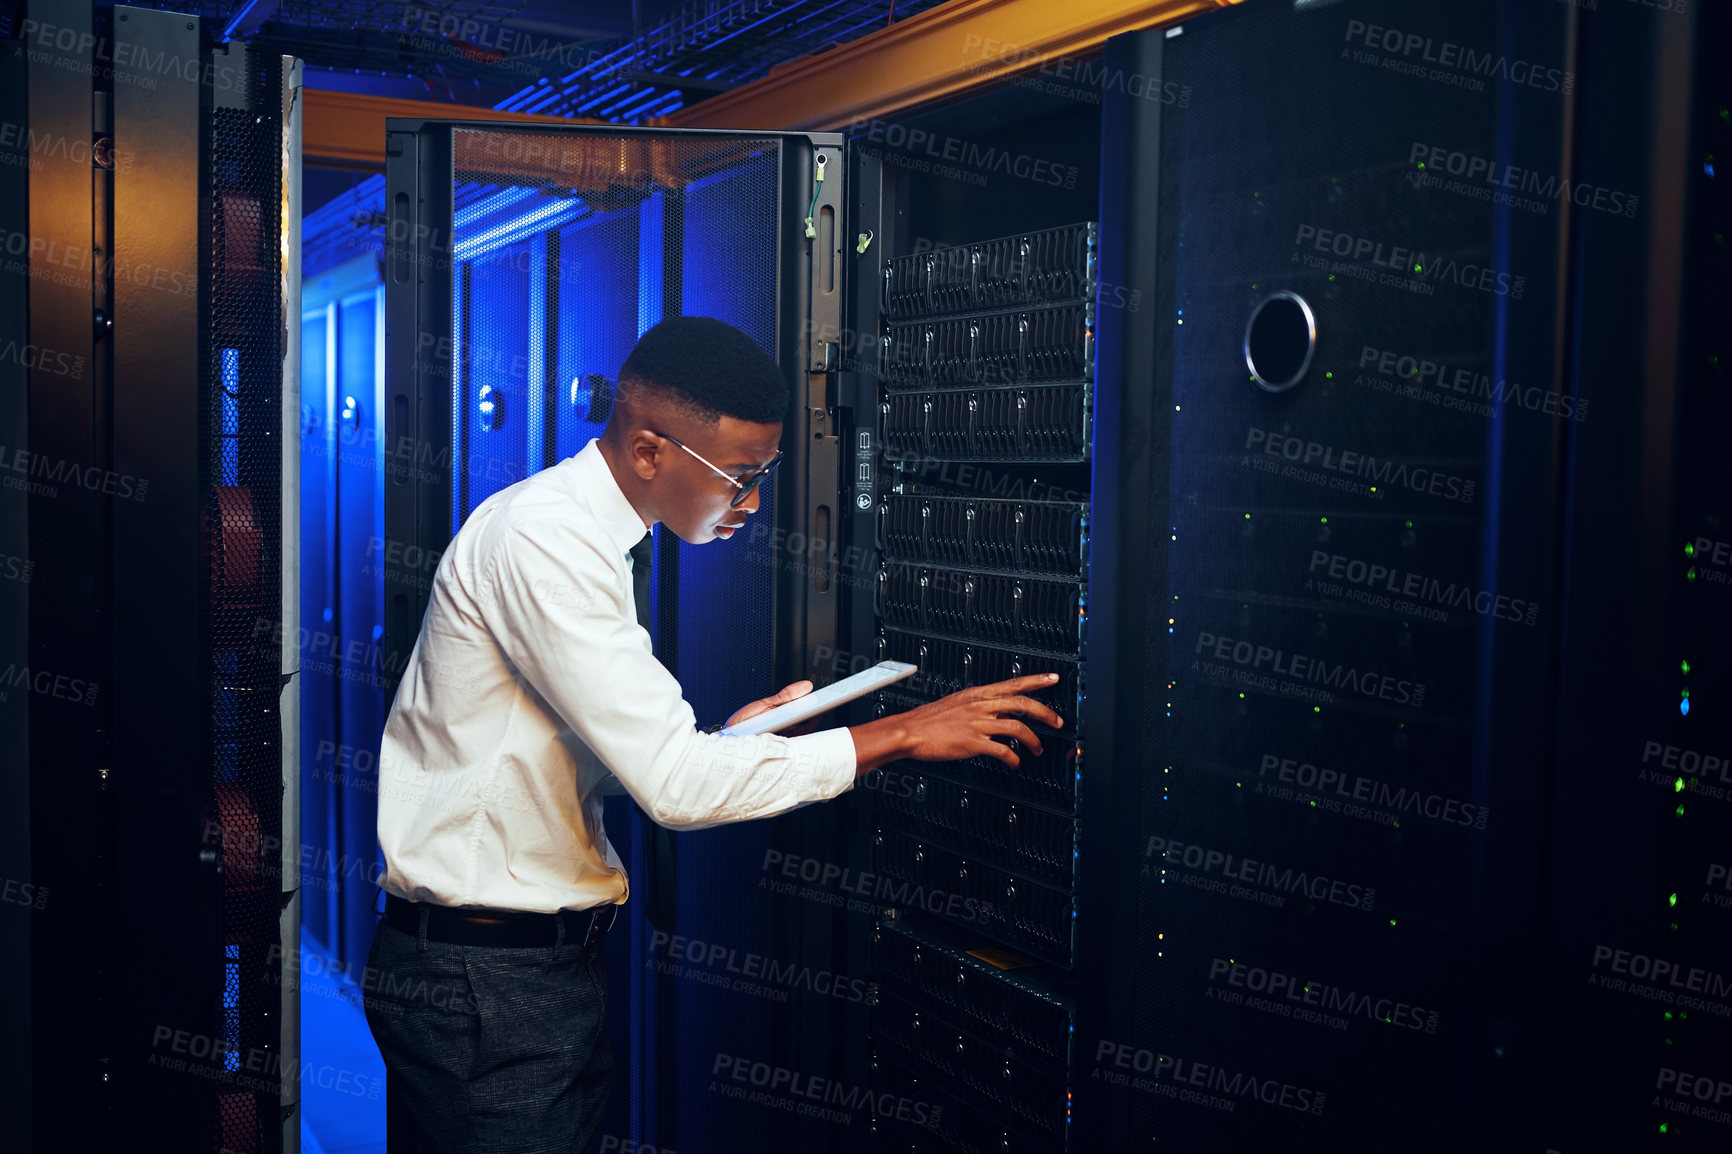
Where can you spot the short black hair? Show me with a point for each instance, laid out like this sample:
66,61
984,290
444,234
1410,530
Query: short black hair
711,367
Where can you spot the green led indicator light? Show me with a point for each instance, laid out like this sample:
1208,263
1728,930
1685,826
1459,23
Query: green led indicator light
1683,667
1689,549
1678,786
1313,805
1663,1127
1392,921
1422,165
1680,810
1418,268
1690,573
1672,900
1247,516
1316,709
1328,376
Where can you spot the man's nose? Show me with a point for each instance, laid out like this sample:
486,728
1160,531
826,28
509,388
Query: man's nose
750,504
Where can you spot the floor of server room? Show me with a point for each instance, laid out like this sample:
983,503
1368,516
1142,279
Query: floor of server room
335,1119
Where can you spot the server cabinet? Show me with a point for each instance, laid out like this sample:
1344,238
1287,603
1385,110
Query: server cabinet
145,451
1401,551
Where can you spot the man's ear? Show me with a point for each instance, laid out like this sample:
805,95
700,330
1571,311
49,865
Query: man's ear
643,450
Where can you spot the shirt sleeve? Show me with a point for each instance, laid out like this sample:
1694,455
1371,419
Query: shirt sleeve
555,606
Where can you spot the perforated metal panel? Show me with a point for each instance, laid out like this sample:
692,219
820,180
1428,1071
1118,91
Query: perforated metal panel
243,531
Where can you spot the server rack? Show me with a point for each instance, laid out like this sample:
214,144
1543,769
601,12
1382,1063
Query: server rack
1444,975
155,253
985,358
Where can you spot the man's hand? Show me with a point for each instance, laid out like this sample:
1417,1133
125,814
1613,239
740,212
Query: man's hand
763,704
958,726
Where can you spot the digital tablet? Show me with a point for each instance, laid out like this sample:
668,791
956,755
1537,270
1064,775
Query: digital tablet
839,693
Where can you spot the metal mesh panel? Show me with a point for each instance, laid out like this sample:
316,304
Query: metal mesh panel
1030,1094
1036,423
1046,344
1032,841
1004,1006
1032,917
990,607
1052,265
243,527
954,1124
1038,537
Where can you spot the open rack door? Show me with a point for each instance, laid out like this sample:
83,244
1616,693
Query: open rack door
522,264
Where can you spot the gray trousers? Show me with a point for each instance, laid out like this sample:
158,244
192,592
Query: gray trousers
494,1049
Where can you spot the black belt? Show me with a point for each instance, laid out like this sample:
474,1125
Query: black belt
479,926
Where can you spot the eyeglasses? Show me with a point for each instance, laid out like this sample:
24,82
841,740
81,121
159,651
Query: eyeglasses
745,484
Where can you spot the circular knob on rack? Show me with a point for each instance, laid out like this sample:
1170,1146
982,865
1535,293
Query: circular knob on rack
1280,338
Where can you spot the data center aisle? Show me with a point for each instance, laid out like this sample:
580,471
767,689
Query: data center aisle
343,1089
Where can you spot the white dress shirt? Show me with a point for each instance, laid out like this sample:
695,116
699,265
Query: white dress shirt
531,688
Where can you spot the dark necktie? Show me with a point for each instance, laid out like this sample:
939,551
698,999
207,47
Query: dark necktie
661,849
640,578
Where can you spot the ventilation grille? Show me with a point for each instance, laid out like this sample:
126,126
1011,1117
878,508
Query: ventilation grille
243,533
1031,917
1001,1078
1034,424
1050,344
989,607
994,1003
1041,538
1009,272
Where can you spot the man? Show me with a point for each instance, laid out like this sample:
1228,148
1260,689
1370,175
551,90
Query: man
531,691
